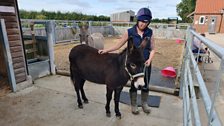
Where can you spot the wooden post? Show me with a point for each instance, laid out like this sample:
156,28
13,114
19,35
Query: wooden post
34,40
8,57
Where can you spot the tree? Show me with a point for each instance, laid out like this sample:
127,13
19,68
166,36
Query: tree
48,15
184,8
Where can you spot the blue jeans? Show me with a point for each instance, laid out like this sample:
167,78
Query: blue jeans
201,51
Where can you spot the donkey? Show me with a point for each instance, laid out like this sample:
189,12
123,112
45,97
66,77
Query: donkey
84,34
111,69
94,40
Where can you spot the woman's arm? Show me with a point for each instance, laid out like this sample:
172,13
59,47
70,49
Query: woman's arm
152,52
123,40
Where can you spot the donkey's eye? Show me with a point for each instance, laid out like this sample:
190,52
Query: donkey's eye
132,65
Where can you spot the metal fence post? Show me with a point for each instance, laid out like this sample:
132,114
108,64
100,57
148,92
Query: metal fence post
50,28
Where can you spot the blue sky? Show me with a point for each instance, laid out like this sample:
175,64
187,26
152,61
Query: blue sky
160,8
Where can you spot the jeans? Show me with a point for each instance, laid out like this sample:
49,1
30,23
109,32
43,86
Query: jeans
196,51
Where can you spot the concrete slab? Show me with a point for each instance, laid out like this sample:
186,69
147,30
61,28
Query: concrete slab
52,101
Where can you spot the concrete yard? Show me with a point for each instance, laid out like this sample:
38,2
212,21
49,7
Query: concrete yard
51,101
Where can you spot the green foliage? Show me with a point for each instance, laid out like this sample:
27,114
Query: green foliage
51,15
157,20
184,8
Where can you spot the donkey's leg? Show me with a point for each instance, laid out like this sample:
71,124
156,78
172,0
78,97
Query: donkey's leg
116,101
82,91
109,97
76,82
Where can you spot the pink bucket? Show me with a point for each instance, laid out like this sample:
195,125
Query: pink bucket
168,72
178,41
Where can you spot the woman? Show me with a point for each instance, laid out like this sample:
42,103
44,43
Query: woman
139,32
197,47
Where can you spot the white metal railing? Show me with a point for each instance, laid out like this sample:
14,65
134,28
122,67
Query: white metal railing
72,23
68,30
190,69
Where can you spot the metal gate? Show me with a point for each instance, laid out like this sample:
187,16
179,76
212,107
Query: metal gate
190,70
39,50
212,25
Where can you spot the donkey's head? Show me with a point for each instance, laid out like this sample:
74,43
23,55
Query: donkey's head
84,34
134,63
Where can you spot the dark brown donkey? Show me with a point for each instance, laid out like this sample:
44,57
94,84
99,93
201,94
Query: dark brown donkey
111,69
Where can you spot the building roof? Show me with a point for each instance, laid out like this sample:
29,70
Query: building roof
209,6
129,11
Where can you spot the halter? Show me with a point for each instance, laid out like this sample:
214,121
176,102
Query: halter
135,75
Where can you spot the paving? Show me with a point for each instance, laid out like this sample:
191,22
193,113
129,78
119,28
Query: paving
52,101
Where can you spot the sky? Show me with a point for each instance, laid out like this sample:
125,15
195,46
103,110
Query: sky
160,8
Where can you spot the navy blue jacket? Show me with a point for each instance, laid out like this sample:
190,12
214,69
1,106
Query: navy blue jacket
138,39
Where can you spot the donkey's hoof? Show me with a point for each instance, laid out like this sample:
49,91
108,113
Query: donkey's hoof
86,101
118,116
148,111
80,106
108,114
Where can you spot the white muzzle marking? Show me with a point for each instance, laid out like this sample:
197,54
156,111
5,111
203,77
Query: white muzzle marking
83,42
139,82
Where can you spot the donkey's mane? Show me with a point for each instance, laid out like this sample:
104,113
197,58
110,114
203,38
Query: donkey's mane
123,51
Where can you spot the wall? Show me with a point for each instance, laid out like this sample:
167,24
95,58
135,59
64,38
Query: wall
14,38
122,16
201,28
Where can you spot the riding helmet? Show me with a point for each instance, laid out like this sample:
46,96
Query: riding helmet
144,14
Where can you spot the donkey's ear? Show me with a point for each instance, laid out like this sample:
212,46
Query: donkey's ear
86,26
131,45
144,42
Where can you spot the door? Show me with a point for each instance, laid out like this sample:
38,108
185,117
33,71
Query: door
212,25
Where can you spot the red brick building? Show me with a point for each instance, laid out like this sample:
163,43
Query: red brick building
209,16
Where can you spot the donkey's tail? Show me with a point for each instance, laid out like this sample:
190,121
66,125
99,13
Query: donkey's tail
71,73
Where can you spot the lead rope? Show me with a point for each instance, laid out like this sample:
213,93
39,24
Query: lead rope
146,75
132,76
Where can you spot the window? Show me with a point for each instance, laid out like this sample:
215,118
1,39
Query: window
202,20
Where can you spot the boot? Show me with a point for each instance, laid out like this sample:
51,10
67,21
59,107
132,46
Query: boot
134,106
144,98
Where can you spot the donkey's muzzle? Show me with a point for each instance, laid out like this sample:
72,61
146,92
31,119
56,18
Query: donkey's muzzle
139,82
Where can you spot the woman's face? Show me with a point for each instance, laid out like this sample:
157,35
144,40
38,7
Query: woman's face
142,25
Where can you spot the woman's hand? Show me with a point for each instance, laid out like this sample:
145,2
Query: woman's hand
117,46
102,51
147,62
